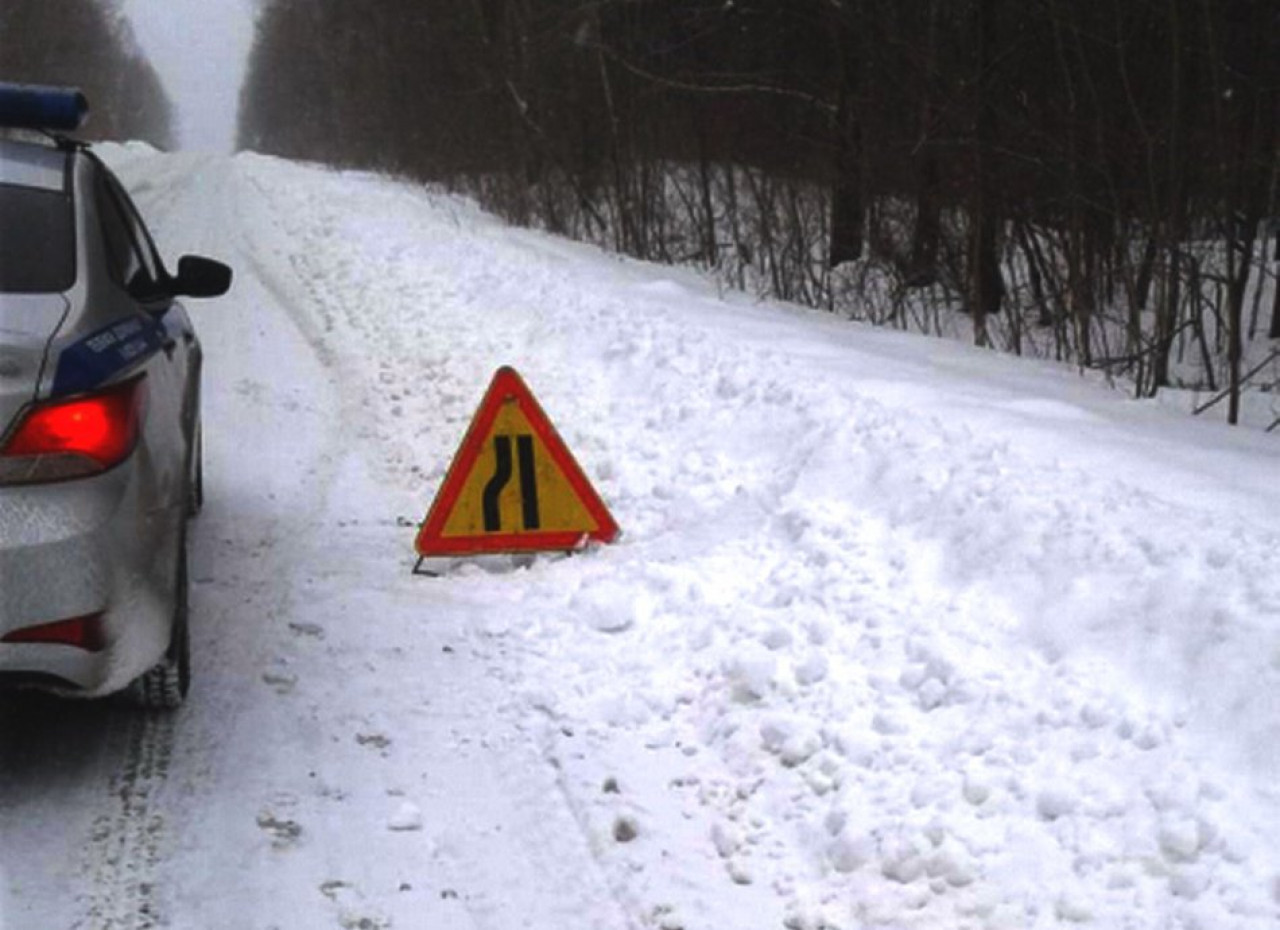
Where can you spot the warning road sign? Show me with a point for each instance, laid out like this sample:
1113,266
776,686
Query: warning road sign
513,485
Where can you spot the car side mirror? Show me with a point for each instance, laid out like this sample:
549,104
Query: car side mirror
200,277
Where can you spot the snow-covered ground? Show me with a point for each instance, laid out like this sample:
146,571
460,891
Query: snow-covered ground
899,634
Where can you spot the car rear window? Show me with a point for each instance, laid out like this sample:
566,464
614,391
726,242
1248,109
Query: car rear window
37,240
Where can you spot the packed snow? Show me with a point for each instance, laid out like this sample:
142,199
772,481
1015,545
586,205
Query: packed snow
899,633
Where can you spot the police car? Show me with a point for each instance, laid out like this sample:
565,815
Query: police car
99,419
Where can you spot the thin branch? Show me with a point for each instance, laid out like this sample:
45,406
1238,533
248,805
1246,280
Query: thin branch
739,88
1224,394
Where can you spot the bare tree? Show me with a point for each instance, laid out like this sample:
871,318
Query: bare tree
88,45
1088,181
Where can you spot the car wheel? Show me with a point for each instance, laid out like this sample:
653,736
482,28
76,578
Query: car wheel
195,492
165,685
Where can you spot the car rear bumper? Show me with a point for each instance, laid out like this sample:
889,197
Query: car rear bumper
87,547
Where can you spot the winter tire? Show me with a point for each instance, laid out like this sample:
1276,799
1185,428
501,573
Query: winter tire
165,685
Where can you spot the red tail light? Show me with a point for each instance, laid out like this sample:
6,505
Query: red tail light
81,632
74,438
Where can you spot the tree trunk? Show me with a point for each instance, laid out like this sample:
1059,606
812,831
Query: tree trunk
848,209
923,268
986,286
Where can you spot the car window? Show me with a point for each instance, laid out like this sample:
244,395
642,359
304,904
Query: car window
37,240
132,255
122,256
141,235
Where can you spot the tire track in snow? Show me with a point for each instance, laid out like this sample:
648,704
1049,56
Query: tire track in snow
82,813
545,816
126,843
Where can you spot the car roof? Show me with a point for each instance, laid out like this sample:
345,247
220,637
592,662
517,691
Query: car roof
28,164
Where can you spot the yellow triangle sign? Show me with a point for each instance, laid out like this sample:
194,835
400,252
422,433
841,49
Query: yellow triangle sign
513,485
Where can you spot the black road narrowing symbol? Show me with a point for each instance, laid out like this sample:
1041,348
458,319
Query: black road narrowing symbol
502,476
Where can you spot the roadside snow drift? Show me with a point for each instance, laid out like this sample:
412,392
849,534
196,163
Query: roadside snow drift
899,633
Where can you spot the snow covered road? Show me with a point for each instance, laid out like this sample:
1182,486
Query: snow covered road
900,633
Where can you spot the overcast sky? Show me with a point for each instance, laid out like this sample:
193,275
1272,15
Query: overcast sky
199,48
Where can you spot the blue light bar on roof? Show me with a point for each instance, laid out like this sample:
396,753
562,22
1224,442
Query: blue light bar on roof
29,106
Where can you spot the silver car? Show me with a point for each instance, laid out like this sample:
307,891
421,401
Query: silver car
99,423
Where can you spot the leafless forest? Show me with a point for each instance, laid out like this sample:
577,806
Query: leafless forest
1094,182
87,45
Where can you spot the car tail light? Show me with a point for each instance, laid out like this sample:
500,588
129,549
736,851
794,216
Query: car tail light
74,438
81,632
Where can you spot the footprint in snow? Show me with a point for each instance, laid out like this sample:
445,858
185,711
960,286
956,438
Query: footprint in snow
377,741
312,630
348,898
284,832
280,682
